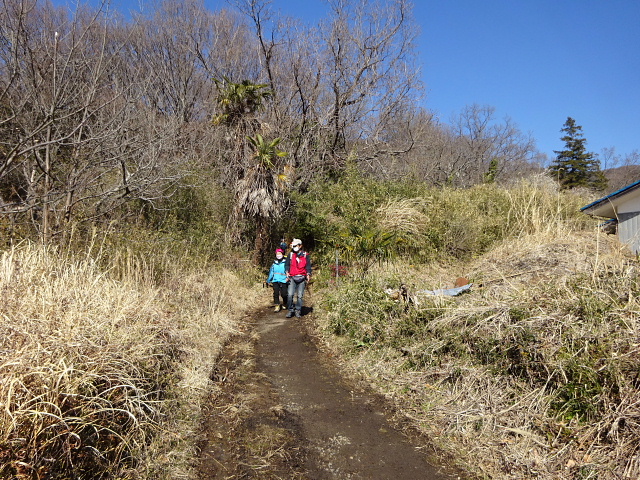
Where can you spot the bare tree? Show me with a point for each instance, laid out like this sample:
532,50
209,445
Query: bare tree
338,85
474,149
171,46
75,142
619,170
98,111
260,15
487,148
368,70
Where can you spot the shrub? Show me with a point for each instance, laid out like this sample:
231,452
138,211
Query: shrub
361,311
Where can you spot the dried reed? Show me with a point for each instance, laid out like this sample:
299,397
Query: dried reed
102,371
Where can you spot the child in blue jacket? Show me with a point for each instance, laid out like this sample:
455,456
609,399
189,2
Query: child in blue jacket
278,279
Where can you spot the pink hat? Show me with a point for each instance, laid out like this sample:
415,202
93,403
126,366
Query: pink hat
279,250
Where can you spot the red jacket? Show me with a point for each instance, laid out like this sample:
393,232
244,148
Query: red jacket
298,264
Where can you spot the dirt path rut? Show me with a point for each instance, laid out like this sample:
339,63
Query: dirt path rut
280,409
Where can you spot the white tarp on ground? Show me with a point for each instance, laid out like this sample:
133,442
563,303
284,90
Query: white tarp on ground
452,292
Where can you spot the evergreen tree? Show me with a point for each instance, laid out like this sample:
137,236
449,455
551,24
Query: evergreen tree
574,166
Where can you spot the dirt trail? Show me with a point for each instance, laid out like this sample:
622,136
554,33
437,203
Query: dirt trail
281,410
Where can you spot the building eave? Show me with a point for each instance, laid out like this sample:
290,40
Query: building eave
606,206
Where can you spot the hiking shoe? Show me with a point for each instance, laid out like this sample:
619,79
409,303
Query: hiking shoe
298,314
289,314
277,309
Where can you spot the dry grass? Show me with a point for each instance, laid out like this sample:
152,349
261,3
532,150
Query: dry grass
102,378
537,386
534,373
404,217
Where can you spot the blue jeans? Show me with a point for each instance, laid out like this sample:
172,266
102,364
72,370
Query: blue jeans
296,289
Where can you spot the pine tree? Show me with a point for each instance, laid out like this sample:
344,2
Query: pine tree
574,166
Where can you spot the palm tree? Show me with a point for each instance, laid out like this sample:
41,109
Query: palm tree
238,105
260,194
238,101
252,162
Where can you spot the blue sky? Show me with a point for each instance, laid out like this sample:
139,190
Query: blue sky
536,61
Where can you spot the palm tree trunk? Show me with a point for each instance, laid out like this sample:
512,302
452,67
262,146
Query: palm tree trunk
261,244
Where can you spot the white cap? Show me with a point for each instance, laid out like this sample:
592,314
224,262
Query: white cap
296,241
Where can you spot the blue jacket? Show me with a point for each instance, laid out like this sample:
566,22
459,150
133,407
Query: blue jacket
277,272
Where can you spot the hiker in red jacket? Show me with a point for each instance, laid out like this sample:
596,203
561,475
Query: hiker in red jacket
298,269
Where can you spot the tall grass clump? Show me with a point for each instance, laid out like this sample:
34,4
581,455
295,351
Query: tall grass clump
532,373
537,206
102,370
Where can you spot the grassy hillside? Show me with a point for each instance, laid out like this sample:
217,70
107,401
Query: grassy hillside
533,373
